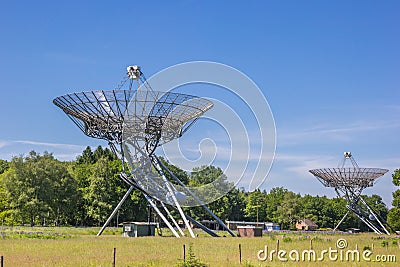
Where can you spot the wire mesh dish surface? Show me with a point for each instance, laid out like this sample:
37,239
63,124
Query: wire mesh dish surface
348,177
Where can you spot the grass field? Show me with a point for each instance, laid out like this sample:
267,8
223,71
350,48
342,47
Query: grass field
25,246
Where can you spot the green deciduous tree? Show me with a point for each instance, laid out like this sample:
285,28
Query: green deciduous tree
256,204
179,173
3,165
288,212
274,199
101,194
393,216
39,188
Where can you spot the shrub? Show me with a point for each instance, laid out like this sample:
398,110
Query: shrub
287,239
367,248
191,261
385,243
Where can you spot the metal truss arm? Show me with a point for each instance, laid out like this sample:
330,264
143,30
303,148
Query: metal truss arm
171,191
194,196
342,220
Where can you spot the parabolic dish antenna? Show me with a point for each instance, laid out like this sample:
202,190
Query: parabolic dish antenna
151,120
349,182
99,114
135,123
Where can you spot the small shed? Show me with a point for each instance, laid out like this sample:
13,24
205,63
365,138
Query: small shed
249,231
306,225
136,229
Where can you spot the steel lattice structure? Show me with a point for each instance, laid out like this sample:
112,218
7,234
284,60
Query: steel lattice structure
349,183
135,123
99,114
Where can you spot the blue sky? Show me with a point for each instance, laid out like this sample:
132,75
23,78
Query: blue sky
329,70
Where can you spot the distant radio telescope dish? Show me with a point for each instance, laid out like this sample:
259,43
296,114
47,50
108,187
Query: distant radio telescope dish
348,183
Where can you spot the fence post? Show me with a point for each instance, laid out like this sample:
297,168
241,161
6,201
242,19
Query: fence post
115,250
1,261
240,253
184,253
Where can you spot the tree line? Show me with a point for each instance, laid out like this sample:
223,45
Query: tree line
41,190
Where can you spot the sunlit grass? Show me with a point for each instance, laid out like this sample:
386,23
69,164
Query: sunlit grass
83,248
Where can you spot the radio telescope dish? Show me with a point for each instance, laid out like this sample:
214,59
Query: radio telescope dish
135,122
349,182
99,114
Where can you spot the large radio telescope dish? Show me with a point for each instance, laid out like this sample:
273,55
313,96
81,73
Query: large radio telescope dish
99,114
135,123
153,119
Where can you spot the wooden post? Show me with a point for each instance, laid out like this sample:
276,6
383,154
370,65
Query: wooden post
184,253
277,246
1,261
115,250
240,253
310,243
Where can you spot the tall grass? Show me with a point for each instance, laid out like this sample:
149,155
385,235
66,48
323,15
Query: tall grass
83,248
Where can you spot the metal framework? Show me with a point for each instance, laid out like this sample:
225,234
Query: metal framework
349,182
135,123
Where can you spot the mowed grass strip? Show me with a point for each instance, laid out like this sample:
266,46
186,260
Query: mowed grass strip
85,249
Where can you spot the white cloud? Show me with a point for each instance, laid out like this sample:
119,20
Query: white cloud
333,131
61,151
44,144
4,143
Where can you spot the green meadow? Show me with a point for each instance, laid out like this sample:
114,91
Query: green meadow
64,246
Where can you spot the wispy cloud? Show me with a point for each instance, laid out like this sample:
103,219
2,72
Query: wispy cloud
333,131
301,163
4,143
61,151
67,146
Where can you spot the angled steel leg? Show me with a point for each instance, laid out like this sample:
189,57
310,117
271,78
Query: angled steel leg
342,220
132,182
133,186
153,205
172,219
116,210
205,229
195,197
364,220
171,191
375,215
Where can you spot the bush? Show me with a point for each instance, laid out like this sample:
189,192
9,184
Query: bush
367,248
384,243
191,261
287,239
